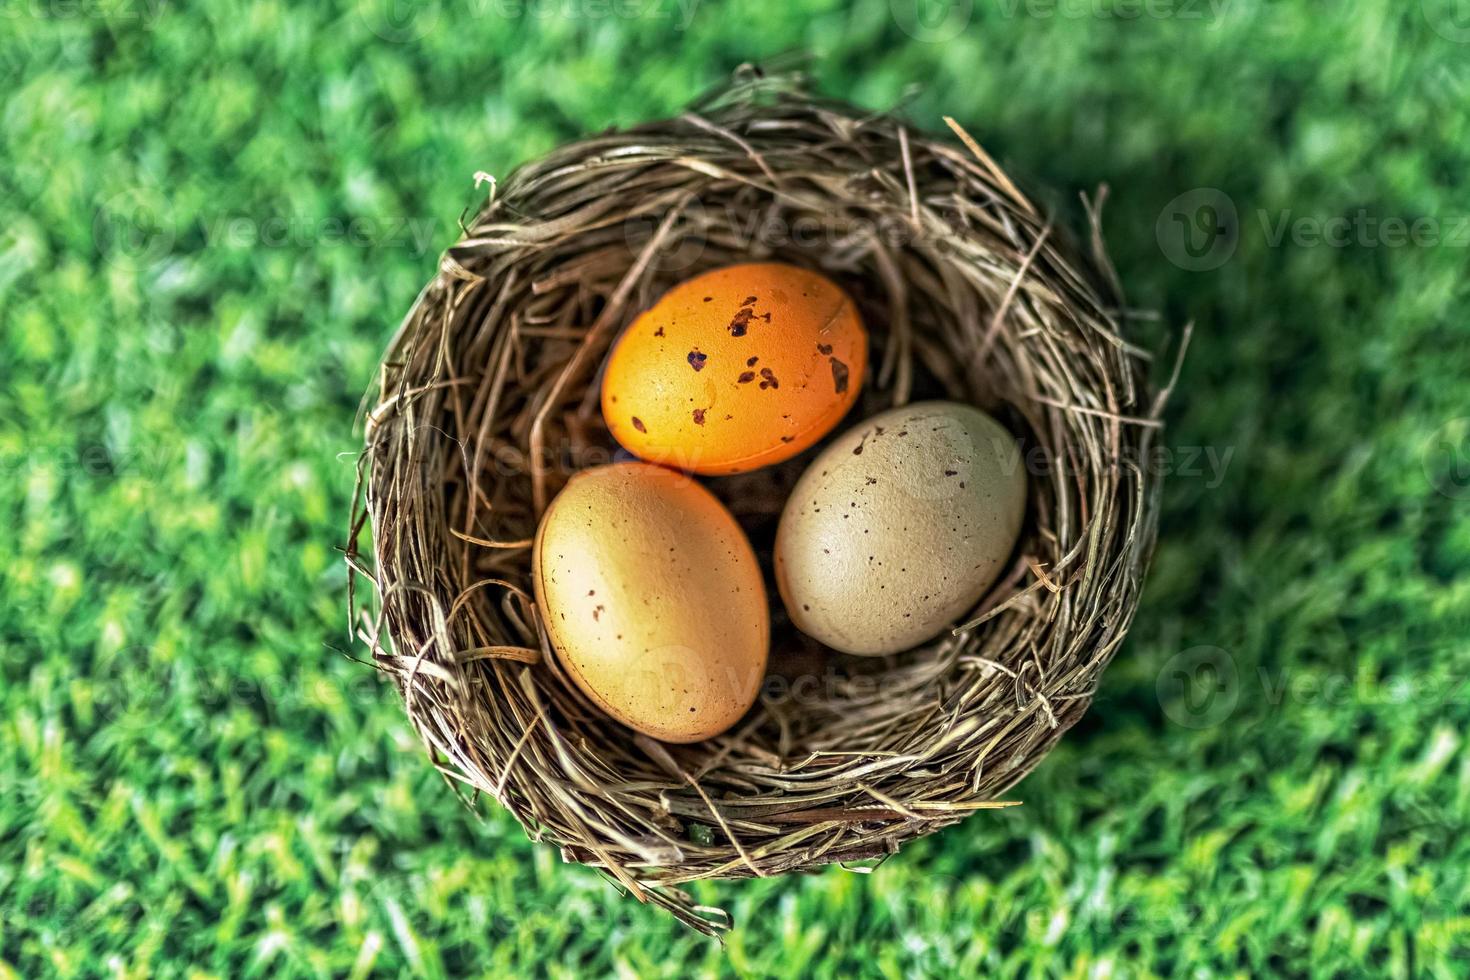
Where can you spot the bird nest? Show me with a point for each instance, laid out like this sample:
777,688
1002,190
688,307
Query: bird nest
488,403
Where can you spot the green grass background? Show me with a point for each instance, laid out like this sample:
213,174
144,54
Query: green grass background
212,216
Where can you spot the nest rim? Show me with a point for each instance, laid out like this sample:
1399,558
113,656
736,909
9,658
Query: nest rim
487,402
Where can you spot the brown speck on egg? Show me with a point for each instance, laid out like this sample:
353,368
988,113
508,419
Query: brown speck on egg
740,322
699,416
839,375
750,361
951,472
659,332
768,379
638,424
696,359
746,377
824,348
788,438
597,612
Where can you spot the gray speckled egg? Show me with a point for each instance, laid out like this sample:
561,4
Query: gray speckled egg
899,527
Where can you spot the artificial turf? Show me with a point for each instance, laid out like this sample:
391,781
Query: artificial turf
211,218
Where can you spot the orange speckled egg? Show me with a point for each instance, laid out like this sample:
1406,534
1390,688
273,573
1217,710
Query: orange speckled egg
736,369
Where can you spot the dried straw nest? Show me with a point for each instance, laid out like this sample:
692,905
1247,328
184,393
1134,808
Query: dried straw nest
488,403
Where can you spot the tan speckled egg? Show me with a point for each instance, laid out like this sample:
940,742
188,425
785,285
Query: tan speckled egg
899,527
652,600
